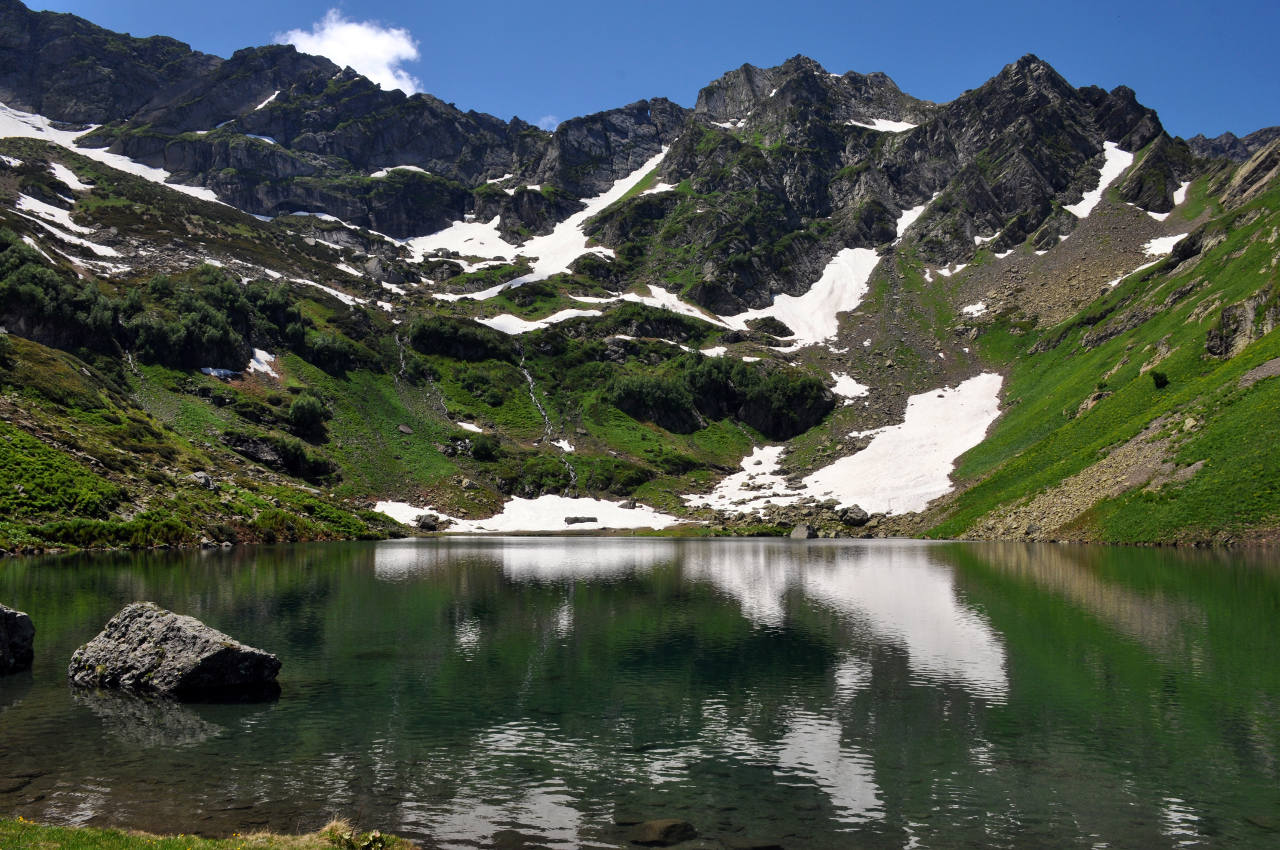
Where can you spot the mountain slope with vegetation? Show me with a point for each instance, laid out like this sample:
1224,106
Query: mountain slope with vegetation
247,299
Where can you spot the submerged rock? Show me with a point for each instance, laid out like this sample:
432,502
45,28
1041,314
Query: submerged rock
17,640
147,649
663,833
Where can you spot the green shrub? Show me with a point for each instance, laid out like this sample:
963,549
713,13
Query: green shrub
307,415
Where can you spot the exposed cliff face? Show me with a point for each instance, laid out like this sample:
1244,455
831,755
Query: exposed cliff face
70,70
1232,147
791,164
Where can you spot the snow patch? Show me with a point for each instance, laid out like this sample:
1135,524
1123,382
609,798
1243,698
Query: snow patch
385,305
909,217
391,287
1178,197
551,254
67,176
261,362
1162,245
383,172
749,491
959,267
36,246
974,309
264,103
12,162
547,513
1114,163
661,187
26,125
563,445
903,468
468,426
514,325
49,212
847,387
266,139
884,125
349,300
814,316
908,465
716,351
72,239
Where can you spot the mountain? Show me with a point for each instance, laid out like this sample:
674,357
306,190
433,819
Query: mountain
1230,146
254,298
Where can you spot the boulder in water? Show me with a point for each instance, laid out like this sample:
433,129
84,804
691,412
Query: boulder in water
17,639
147,649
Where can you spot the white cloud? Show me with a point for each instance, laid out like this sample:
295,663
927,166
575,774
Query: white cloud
370,48
548,122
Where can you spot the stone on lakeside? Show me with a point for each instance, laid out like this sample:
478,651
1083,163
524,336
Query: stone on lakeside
17,641
147,649
803,532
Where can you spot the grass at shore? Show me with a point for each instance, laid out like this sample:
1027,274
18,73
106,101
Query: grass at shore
21,834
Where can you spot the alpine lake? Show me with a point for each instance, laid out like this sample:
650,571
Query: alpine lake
554,692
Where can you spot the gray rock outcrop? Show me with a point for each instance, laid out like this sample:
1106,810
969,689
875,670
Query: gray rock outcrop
147,649
803,532
17,638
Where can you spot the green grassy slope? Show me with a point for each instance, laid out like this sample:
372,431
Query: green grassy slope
1141,349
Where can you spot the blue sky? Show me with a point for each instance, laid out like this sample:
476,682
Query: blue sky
1201,69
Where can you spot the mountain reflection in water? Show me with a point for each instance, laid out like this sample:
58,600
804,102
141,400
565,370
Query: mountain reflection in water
477,692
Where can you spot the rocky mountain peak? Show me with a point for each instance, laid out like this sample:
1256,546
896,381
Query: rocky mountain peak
1230,146
733,95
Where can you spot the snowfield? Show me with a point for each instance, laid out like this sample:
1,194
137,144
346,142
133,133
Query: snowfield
908,465
550,254
515,325
884,125
904,467
1162,245
814,316
26,125
545,513
1114,164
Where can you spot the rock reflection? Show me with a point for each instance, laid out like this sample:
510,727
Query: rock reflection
140,721
1157,622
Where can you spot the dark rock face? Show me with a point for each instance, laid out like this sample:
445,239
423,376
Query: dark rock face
17,638
68,69
1232,147
588,155
147,649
